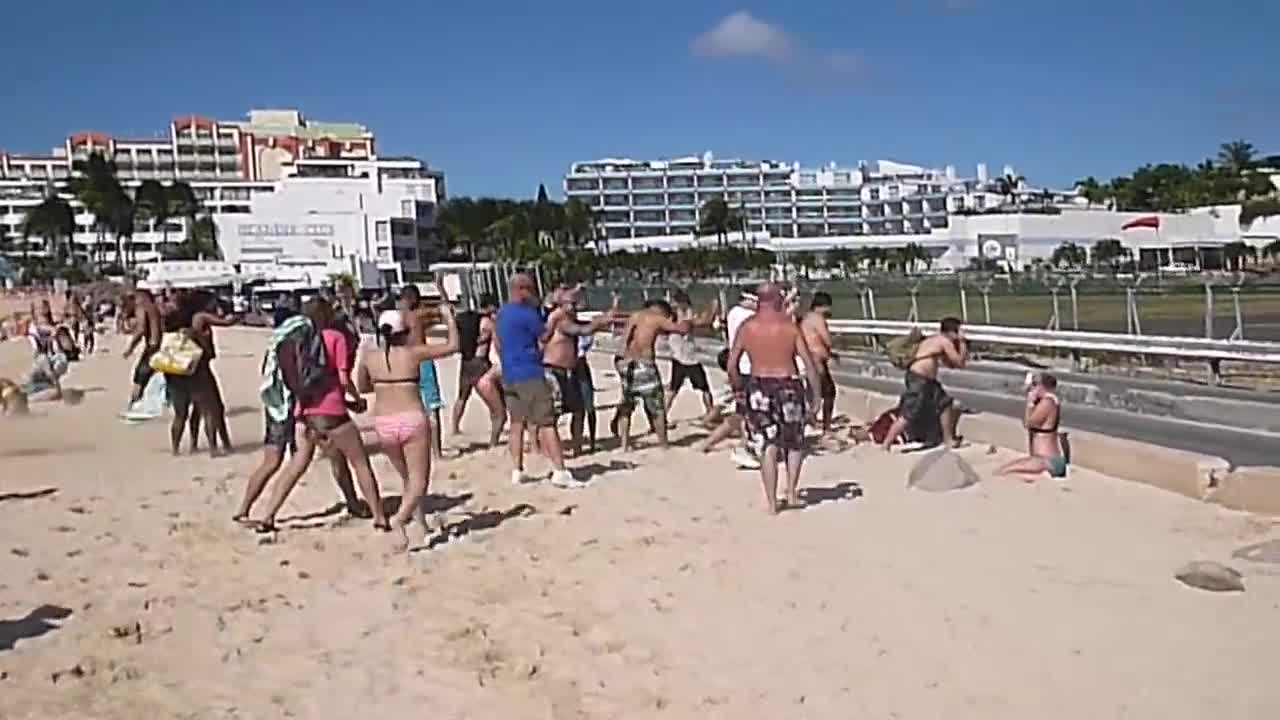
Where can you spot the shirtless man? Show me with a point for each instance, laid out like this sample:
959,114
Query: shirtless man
418,318
560,357
638,370
818,336
147,331
774,397
475,335
924,404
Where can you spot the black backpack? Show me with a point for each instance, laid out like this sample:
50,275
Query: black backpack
305,366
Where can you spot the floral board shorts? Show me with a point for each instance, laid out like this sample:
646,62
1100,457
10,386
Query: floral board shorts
774,413
641,384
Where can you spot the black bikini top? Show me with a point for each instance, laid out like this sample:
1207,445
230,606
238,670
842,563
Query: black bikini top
1056,422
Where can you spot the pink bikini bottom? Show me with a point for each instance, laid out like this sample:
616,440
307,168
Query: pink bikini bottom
398,428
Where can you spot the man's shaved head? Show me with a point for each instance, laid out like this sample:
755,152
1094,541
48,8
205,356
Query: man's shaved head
769,295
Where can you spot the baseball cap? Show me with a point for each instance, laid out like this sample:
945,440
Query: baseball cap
391,322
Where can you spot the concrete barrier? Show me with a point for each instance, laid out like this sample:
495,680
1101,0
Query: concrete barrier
1253,489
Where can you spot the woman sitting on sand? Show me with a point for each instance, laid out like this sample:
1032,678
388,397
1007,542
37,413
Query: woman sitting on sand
399,417
1042,418
325,420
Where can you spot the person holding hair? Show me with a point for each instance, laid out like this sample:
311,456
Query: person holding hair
326,422
1042,417
925,406
399,417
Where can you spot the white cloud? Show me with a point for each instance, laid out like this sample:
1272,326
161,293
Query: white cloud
743,35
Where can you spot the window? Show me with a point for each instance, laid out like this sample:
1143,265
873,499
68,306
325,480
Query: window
382,231
808,178
406,208
680,198
874,193
615,184
649,216
778,196
404,254
710,181
680,182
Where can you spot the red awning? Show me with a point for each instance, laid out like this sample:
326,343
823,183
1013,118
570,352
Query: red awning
1146,221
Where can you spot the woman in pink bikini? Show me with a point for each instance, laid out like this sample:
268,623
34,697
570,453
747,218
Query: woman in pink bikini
391,374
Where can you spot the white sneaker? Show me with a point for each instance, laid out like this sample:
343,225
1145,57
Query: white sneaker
744,460
565,479
519,478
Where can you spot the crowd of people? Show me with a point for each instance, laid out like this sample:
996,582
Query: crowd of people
527,361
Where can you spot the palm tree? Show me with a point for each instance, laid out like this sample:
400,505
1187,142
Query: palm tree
1237,254
715,217
96,188
151,207
1107,252
1092,190
121,221
1236,156
201,242
182,203
1069,255
510,229
579,222
53,219
1008,187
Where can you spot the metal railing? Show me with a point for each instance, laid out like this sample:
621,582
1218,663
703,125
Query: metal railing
1078,341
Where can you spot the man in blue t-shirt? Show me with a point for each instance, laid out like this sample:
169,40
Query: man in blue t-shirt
520,333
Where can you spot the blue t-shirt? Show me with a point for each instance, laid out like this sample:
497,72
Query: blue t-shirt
519,327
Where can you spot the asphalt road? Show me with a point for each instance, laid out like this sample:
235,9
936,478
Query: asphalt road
1240,447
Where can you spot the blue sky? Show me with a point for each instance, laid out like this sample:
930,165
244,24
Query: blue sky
505,94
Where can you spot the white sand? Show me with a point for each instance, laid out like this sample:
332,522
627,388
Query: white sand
662,590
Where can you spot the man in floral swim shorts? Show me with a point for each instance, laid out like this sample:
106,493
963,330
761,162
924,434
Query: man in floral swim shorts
774,399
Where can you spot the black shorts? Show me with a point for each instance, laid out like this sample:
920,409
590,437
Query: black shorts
826,383
279,434
695,374
142,372
470,371
565,390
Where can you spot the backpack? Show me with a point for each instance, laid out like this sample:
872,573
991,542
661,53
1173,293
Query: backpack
902,350
304,366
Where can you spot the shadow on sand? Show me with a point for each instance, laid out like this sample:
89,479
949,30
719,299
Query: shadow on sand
28,495
483,520
813,496
33,625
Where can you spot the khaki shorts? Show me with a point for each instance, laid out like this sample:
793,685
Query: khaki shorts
531,401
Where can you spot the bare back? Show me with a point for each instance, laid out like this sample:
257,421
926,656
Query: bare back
392,375
642,331
933,351
817,336
771,343
153,330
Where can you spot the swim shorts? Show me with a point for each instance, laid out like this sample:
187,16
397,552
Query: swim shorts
1057,466
641,384
279,434
774,413
566,395
695,374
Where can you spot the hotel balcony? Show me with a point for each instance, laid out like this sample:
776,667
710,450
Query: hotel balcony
680,183
681,200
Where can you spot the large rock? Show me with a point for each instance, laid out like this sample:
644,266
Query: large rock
940,471
1211,576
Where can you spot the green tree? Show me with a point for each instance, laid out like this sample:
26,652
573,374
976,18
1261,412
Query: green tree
1007,185
1069,255
182,203
1092,191
1254,209
1237,254
201,242
1107,252
55,221
715,217
1236,156
151,209
1272,251
579,223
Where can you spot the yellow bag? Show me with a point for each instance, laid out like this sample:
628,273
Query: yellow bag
178,354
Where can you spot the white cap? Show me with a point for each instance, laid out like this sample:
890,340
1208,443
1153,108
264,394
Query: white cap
391,322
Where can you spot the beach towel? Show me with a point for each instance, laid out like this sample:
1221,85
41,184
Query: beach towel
277,399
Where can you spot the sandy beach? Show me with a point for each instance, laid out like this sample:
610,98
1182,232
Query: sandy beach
660,591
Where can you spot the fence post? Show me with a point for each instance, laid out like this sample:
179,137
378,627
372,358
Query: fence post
986,301
1208,310
964,303
1054,322
914,314
1075,305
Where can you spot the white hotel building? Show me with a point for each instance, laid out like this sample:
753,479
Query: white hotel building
292,199
786,207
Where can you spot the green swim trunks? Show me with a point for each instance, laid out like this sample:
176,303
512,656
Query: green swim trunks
1057,466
